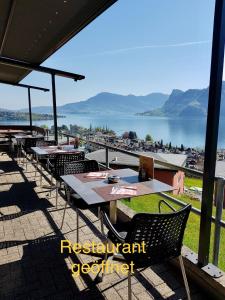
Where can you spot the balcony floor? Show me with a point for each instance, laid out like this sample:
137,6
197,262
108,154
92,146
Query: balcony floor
31,266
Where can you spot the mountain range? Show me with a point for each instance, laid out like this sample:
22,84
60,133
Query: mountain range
109,103
187,104
190,103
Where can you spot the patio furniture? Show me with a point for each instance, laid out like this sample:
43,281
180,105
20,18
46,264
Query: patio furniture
45,153
96,191
7,135
45,143
73,198
56,167
43,160
163,236
25,146
25,142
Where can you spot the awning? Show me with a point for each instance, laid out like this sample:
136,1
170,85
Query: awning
32,30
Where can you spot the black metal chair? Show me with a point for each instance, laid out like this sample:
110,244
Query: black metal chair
43,161
162,234
74,199
56,167
26,145
43,143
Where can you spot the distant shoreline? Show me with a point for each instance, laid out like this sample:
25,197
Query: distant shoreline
175,130
21,116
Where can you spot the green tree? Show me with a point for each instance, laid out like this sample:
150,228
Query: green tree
148,138
64,127
132,135
44,126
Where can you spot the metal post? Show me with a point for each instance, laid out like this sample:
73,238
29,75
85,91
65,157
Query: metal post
30,112
219,199
214,100
54,107
107,157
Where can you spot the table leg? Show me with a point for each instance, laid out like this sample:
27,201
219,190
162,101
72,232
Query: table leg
113,211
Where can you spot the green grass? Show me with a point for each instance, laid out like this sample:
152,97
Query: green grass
195,203
150,204
191,181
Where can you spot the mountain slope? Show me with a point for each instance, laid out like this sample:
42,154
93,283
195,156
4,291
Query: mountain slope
10,115
191,103
110,103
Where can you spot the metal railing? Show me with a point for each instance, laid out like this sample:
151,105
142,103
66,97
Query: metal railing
219,190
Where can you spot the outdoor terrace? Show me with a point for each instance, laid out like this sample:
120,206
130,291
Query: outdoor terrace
31,266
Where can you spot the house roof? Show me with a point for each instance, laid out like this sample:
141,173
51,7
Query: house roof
220,168
118,158
32,30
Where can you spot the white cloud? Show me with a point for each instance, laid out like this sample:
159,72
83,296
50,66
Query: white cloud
117,51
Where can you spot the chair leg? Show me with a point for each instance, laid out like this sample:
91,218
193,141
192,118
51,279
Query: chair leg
102,225
184,277
105,258
129,286
77,210
57,194
18,151
64,213
99,212
51,185
41,176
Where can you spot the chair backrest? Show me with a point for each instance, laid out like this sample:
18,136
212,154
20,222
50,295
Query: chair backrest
46,143
83,166
61,159
31,142
162,235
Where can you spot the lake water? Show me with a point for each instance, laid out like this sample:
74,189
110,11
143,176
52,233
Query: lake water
190,132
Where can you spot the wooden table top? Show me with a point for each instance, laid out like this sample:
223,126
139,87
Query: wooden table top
97,191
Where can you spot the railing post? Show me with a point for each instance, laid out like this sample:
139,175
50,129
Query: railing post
219,199
107,157
54,107
30,112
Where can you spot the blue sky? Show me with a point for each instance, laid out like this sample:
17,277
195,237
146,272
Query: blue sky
135,47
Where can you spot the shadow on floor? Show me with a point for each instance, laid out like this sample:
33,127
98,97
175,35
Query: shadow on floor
23,195
41,273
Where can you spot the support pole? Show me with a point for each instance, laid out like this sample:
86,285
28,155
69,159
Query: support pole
219,198
30,112
54,107
107,157
214,100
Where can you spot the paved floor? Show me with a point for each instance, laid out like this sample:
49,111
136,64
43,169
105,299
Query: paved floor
31,265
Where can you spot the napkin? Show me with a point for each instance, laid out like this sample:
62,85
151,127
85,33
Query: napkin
124,190
101,175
